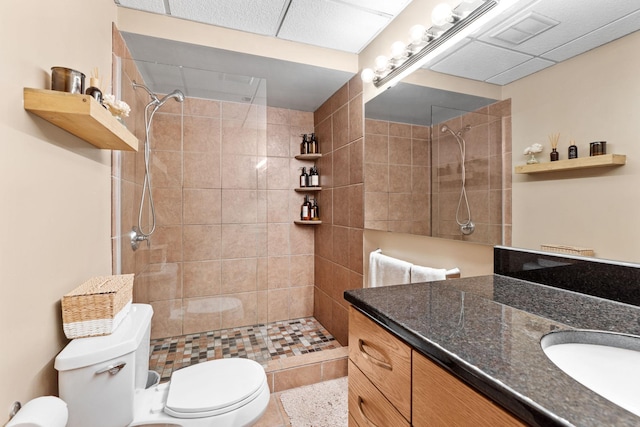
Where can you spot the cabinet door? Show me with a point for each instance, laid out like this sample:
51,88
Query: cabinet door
440,399
384,359
367,406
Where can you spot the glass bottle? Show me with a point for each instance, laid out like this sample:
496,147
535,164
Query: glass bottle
304,211
554,155
304,178
314,177
316,210
573,151
304,144
93,90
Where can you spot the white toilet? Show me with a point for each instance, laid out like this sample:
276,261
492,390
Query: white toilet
104,379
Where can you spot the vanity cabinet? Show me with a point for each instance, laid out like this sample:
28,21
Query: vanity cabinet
390,384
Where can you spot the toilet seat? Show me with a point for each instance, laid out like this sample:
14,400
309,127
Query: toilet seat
214,387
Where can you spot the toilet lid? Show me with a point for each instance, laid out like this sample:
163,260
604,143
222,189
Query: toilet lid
214,387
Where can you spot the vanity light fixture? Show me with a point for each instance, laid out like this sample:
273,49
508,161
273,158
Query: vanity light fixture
449,26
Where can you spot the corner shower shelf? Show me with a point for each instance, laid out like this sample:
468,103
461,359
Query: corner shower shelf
605,160
308,156
307,222
82,116
305,189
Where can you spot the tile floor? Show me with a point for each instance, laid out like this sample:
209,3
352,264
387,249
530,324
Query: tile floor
262,343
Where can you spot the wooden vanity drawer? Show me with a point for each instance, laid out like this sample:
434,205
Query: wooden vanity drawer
367,406
442,400
384,359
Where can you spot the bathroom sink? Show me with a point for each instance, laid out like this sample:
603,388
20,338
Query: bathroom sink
606,362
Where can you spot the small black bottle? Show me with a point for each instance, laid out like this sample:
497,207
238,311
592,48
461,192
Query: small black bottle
316,210
305,209
554,155
313,144
573,151
304,178
93,90
304,145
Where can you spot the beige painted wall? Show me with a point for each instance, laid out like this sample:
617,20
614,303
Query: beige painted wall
592,97
54,189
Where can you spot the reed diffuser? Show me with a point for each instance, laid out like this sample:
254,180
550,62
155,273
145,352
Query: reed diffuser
553,139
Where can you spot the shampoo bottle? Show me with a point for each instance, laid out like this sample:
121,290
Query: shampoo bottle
304,178
304,145
314,178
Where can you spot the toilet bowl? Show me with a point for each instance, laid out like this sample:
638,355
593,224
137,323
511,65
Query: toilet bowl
104,379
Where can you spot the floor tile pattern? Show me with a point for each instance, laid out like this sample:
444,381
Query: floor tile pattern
262,343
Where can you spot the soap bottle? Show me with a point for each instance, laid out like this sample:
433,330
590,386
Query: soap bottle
304,144
314,144
573,151
93,90
304,211
314,178
316,210
312,211
304,178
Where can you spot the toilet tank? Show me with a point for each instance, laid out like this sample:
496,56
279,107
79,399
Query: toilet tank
97,376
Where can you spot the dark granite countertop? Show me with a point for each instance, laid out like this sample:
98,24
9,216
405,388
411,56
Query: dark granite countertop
486,330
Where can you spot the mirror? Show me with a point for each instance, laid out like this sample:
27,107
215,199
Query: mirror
433,164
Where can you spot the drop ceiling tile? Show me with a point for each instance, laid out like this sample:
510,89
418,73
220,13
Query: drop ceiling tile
390,7
519,71
479,61
330,24
613,31
156,6
575,17
254,16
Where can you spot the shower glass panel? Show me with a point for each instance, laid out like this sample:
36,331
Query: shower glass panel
205,266
467,188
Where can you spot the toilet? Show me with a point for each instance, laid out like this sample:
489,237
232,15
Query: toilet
105,382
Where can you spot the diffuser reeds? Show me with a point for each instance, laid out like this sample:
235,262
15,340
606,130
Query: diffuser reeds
553,140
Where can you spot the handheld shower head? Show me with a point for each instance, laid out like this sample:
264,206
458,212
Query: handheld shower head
176,94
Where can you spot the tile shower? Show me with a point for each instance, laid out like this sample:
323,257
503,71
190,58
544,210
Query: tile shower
225,252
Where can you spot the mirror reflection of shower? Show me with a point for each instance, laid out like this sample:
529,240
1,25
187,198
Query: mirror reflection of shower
138,233
466,225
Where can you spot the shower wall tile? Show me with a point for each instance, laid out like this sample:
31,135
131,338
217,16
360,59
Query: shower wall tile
399,179
166,244
238,171
356,206
164,281
301,271
301,302
278,304
201,242
238,111
341,174
201,170
400,150
341,206
278,271
341,245
278,140
277,116
239,309
376,127
278,206
278,239
239,206
202,278
239,241
301,240
356,118
201,107
400,130
201,314
167,318
202,206
420,152
202,134
166,132
356,161
239,275
168,203
376,149
278,173
166,169
239,137
324,133
341,127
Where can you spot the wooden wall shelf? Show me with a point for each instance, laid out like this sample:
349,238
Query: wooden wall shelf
605,160
306,189
312,222
82,116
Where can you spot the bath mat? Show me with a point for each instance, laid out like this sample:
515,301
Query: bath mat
323,404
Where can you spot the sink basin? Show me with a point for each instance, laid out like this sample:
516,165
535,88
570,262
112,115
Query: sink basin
606,362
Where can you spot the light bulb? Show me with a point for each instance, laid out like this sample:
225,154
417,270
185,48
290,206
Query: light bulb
416,33
381,63
398,50
441,14
367,75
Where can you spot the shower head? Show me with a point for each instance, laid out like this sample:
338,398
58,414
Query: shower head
445,128
176,94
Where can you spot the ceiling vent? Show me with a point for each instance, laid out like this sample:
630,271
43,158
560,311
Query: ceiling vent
524,28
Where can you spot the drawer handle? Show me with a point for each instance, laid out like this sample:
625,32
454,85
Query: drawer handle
360,402
370,358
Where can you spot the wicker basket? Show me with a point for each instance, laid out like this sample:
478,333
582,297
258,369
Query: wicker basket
570,250
97,306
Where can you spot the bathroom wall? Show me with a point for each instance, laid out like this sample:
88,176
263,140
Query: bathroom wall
54,188
339,125
592,97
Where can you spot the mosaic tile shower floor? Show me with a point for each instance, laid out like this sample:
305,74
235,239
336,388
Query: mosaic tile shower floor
262,343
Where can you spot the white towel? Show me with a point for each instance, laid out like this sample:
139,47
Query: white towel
427,274
385,270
